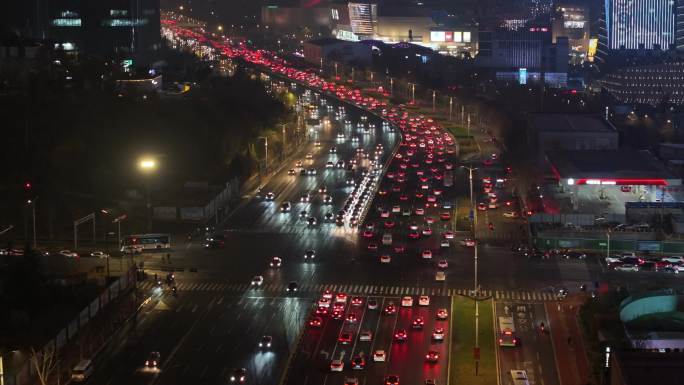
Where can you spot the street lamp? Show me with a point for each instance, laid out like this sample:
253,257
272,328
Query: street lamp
265,154
220,28
336,71
472,202
32,203
148,166
451,104
392,86
433,100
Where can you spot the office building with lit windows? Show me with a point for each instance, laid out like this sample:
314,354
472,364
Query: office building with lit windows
640,24
128,27
650,84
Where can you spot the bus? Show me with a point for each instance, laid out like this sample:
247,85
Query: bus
519,377
146,242
507,332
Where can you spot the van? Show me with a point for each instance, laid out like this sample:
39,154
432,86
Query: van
387,239
82,371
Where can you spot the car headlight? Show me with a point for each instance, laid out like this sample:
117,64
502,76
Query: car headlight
260,344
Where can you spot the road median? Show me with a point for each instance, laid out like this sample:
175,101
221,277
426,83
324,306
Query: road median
461,354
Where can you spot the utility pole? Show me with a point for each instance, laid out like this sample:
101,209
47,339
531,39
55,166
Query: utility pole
451,105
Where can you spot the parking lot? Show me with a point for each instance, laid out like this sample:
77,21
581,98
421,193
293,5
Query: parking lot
379,353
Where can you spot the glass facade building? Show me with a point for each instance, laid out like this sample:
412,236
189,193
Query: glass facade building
635,24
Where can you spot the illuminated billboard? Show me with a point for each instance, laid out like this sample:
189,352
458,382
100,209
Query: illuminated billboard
438,36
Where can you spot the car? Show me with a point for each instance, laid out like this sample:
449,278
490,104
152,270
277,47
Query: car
430,381
396,209
302,172
276,262
270,196
399,248
379,356
384,258
420,211
384,214
99,254
448,234
440,276
482,206
510,214
358,363
400,335
357,301
426,254
213,244
324,302
445,216
322,189
492,205
68,253
406,212
310,254
427,231
305,198
329,164
341,298
345,338
372,304
418,323
444,243
627,267
321,311
574,255
153,360
285,207
390,309
467,242
309,155
336,366
327,200
292,286
303,214
315,322
365,335
438,334
312,221
432,356
311,171
327,294
407,301
392,379
389,224
266,342
291,171
258,280
424,300
368,234
372,246
239,375
352,318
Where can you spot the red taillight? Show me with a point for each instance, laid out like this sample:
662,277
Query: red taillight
500,340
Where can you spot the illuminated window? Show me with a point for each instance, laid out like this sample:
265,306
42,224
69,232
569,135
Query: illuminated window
466,37
118,12
66,22
458,37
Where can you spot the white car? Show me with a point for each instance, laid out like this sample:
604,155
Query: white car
329,164
396,209
442,264
68,253
324,302
336,366
379,356
426,254
672,259
510,214
613,259
407,301
444,243
424,300
627,267
309,156
258,280
438,334
440,276
99,254
385,258
365,335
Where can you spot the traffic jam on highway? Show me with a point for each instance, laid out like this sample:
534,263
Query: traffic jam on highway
374,340
365,339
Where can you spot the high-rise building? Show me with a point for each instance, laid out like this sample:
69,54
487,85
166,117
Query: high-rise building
679,25
572,21
640,24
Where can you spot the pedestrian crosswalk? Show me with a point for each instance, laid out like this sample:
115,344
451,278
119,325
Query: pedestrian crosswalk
355,289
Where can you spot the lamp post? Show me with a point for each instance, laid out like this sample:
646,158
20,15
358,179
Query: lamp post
391,86
352,75
265,153
462,113
371,78
468,123
118,221
321,65
32,203
148,166
451,105
336,71
472,202
434,93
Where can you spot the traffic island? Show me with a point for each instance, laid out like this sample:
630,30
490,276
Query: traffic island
462,355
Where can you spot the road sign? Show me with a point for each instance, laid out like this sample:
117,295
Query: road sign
476,353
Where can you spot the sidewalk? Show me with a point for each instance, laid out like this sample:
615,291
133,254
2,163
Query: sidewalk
568,345
95,335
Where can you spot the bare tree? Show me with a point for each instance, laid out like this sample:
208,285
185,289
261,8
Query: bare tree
45,363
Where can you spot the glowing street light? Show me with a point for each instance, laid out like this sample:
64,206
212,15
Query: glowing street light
147,164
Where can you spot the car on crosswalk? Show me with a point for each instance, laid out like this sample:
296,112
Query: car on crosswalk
424,300
258,280
407,301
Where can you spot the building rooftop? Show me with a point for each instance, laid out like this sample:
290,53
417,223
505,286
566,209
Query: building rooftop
326,41
655,368
607,164
568,122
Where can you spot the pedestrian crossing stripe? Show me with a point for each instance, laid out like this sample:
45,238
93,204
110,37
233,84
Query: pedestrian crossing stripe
396,291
